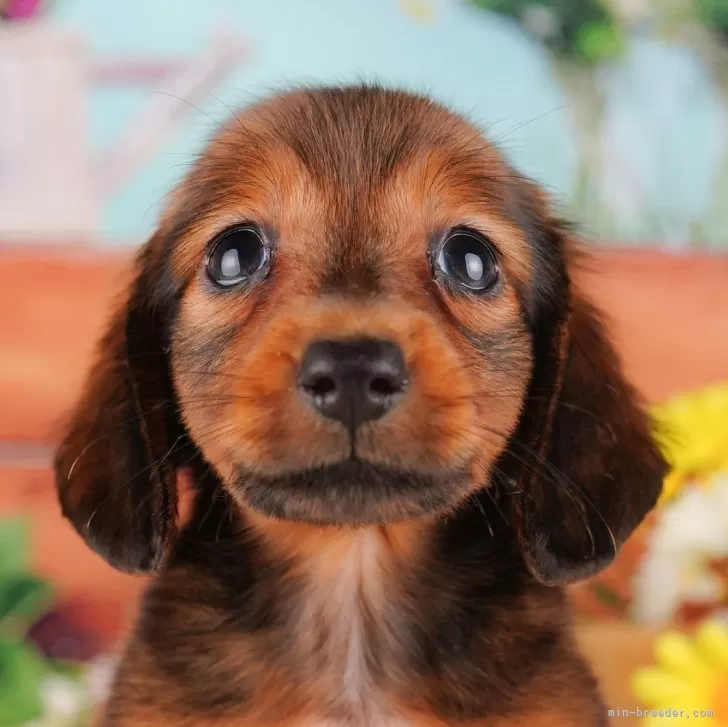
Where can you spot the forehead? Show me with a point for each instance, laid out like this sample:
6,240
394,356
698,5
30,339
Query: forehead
355,173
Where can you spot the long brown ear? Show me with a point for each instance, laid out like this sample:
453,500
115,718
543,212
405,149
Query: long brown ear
588,469
115,468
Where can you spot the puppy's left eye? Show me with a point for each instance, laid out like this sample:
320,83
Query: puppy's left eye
468,259
237,255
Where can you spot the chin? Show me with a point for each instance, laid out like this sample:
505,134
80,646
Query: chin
352,493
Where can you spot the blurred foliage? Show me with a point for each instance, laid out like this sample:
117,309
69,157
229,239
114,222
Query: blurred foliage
583,36
589,32
714,14
581,30
24,599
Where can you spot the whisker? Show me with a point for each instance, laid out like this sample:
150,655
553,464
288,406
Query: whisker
191,105
480,507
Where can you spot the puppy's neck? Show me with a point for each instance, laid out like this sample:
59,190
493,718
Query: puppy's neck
352,626
322,550
342,571
352,585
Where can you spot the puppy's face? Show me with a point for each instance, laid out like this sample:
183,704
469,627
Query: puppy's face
355,312
351,343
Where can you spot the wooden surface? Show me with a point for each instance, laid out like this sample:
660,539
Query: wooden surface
669,319
615,649
52,309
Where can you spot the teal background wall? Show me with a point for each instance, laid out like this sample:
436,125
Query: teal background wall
660,129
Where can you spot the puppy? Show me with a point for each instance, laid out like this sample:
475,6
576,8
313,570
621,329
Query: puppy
356,329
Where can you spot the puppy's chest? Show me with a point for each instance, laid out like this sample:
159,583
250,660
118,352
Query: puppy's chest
351,628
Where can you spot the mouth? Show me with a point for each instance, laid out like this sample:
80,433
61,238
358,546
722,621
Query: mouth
353,493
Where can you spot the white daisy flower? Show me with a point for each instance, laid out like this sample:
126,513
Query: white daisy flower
64,700
99,676
690,533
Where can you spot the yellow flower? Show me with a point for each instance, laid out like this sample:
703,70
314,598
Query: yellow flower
691,677
692,431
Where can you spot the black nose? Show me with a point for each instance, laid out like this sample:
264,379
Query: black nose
353,381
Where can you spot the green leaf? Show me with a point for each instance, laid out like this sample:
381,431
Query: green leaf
599,41
23,599
14,545
713,13
21,673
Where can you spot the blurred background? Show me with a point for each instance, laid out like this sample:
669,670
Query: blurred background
618,107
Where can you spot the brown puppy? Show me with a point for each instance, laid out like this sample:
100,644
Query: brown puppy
406,429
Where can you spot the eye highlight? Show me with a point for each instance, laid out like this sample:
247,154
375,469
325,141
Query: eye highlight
237,255
468,260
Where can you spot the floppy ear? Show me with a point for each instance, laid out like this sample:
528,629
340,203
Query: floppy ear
115,468
588,469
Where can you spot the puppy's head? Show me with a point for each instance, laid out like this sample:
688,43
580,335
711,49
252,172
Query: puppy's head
354,312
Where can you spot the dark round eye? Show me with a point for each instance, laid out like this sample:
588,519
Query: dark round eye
468,260
237,255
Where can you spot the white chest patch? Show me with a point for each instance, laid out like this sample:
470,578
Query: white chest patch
349,597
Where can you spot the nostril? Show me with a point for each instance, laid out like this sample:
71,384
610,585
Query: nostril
352,381
385,386
320,386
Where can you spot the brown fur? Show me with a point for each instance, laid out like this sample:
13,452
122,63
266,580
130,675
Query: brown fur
518,460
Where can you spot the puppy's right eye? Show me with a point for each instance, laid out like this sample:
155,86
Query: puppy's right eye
467,259
237,255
